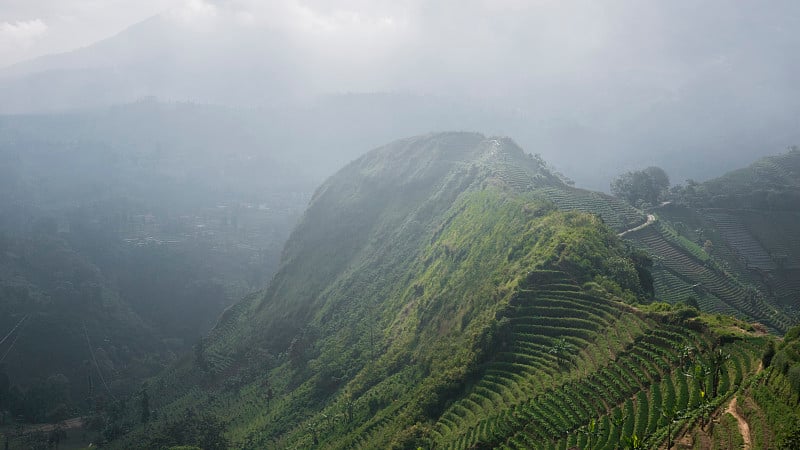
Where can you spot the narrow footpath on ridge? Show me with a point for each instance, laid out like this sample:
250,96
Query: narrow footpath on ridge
744,428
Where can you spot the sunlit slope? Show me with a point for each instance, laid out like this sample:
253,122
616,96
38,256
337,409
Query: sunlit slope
576,368
432,297
769,402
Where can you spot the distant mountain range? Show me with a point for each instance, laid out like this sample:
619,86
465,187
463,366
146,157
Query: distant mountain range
697,121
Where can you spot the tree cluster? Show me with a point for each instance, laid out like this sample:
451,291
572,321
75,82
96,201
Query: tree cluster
641,188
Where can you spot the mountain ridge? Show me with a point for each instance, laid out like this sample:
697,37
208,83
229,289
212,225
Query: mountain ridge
410,292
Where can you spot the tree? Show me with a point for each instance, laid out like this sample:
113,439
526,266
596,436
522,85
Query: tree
708,247
591,430
559,350
641,187
633,442
769,353
200,354
199,430
718,359
671,417
144,405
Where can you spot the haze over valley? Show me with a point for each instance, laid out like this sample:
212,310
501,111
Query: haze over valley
461,225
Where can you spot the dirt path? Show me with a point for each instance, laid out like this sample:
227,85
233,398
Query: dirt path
650,220
744,428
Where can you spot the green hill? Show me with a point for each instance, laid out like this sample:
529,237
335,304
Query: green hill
434,295
769,183
732,244
769,402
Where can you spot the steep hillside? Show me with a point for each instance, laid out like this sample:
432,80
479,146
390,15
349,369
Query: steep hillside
770,402
769,183
432,296
732,244
69,342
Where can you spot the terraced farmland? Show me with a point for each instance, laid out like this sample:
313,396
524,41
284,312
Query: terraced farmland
555,330
789,287
572,358
671,288
615,213
775,170
741,240
747,302
777,231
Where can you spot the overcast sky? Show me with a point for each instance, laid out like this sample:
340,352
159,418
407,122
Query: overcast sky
627,53
573,32
582,77
31,28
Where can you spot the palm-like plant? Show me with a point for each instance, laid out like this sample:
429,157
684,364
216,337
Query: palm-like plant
559,350
718,359
672,416
591,430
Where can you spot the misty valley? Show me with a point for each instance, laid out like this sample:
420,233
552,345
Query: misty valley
445,290
240,224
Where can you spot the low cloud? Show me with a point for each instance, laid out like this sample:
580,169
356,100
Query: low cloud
17,38
23,32
195,14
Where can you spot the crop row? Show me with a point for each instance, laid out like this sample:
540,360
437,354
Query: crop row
561,409
710,280
615,213
555,329
741,241
650,414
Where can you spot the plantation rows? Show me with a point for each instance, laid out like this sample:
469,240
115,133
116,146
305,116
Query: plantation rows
671,288
742,241
617,214
672,236
727,289
775,172
769,173
515,176
556,332
778,232
788,288
639,412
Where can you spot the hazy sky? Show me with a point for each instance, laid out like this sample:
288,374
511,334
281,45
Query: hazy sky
583,77
30,28
582,56
565,34
478,47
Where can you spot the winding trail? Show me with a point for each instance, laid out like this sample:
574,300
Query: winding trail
650,220
744,428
